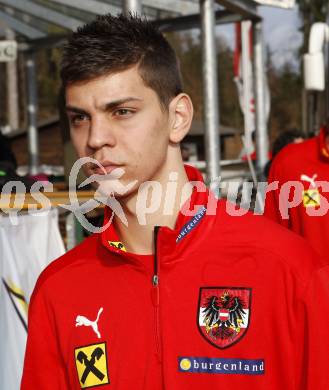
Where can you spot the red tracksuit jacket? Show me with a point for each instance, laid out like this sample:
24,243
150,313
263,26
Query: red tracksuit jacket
225,303
308,164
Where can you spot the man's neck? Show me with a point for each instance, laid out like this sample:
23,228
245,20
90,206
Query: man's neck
137,237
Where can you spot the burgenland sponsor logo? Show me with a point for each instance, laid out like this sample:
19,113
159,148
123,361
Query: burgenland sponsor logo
152,196
192,223
206,365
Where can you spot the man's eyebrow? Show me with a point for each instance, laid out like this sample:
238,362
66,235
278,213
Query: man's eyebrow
116,103
76,110
106,106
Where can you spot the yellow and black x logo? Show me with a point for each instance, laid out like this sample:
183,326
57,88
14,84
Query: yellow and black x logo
91,363
118,245
311,198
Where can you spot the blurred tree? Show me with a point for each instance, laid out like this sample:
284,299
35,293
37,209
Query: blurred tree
3,103
230,112
188,49
311,11
48,81
285,85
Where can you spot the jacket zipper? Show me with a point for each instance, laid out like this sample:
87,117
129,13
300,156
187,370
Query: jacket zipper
156,293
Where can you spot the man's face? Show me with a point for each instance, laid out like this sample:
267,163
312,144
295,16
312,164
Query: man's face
118,121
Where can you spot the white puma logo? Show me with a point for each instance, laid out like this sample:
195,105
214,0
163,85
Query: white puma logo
311,180
81,320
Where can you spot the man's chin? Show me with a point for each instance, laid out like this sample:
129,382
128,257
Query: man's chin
117,189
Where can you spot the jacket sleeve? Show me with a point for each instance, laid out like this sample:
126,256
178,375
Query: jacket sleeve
313,346
43,365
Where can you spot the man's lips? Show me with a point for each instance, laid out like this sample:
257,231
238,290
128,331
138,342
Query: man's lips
106,167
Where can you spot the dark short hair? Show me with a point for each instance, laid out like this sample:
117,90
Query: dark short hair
116,43
285,138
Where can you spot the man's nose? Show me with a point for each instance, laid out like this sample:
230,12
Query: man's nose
100,134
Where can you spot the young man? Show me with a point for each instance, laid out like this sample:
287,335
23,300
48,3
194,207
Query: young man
186,296
304,209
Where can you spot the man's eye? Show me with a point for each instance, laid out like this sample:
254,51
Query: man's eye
76,119
123,112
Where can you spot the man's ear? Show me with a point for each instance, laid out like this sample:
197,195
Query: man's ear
181,115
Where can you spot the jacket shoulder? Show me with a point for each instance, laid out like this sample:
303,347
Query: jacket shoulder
257,234
59,265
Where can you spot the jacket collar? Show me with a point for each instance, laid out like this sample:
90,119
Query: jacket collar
190,216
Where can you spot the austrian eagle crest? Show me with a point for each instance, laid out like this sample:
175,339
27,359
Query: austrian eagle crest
224,314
